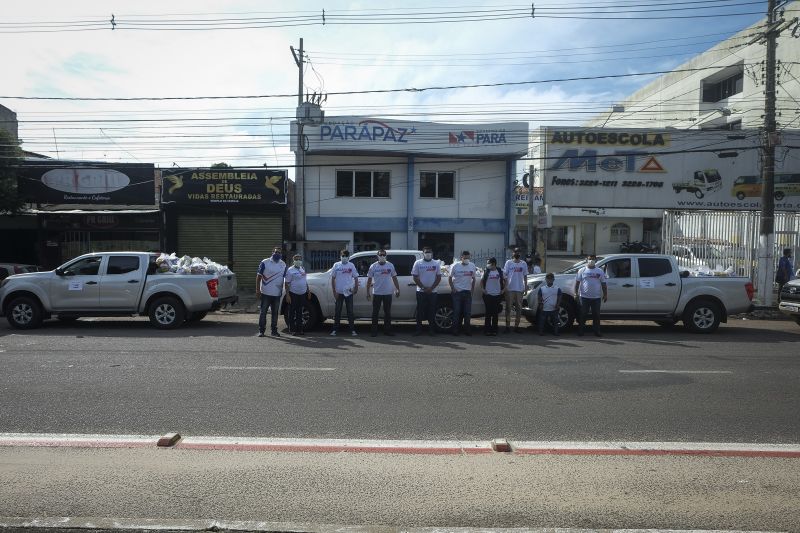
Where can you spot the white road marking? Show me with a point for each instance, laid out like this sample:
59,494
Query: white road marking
290,368
676,372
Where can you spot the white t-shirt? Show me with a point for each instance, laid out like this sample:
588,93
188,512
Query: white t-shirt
426,271
346,277
462,275
548,296
271,276
493,287
296,278
515,275
381,276
591,282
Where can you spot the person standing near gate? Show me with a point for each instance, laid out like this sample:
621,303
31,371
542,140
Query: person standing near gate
590,287
427,274
493,286
344,283
380,278
296,292
785,271
549,297
462,283
515,273
269,286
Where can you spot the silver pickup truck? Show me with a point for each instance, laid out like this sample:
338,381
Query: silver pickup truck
322,304
113,284
652,287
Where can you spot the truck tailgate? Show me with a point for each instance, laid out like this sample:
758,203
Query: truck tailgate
227,286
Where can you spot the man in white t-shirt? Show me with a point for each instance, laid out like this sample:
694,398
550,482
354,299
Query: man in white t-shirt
515,273
344,283
269,286
549,297
296,292
427,273
381,285
590,287
462,283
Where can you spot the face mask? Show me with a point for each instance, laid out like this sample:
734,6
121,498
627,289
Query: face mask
465,261
489,266
298,264
381,259
345,258
276,257
428,256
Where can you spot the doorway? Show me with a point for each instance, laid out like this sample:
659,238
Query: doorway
588,230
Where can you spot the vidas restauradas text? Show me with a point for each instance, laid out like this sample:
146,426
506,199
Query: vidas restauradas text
610,138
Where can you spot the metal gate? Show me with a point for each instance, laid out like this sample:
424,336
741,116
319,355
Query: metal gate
725,239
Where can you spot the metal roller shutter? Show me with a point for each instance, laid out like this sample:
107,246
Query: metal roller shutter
203,236
254,237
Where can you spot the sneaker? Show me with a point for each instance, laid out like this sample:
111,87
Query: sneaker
373,334
388,333
353,333
261,334
598,334
275,334
333,333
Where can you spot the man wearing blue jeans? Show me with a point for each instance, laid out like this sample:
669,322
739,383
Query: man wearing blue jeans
427,274
269,287
549,297
462,283
590,286
344,283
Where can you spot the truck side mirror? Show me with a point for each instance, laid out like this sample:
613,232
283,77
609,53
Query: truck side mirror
684,273
59,272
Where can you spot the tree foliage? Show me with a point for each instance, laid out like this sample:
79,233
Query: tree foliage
10,160
221,165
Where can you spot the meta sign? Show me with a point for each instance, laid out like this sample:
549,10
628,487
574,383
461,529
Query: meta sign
663,169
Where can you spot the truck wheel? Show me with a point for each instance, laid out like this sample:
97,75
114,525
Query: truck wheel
779,195
167,312
566,315
196,317
702,316
443,318
24,313
310,316
740,195
699,194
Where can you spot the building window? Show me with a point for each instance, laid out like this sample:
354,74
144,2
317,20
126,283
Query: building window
561,239
620,232
437,184
364,241
720,90
363,184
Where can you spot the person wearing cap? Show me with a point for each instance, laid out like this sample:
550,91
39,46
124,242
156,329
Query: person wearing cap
515,273
344,284
590,287
462,283
381,277
427,274
296,292
493,287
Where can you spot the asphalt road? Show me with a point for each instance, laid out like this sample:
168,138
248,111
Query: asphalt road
638,383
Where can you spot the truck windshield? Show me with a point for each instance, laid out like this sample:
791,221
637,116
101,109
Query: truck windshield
577,266
712,176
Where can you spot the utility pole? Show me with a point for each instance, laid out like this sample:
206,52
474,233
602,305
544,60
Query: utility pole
766,234
299,215
531,249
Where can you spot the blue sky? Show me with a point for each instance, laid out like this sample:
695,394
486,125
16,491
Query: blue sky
170,62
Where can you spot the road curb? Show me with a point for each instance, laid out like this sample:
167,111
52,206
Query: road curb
70,524
174,441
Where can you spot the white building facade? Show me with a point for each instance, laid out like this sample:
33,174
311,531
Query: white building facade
369,183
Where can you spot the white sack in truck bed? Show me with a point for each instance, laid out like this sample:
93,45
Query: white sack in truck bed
189,265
